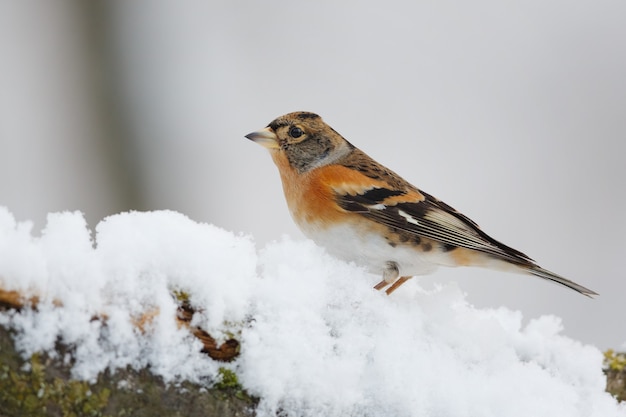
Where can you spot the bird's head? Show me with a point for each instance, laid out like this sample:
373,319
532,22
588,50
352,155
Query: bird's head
303,139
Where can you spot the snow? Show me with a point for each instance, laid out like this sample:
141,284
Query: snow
316,338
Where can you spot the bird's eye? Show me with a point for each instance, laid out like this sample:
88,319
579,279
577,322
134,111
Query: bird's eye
295,132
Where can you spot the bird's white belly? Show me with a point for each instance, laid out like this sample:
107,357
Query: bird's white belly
372,250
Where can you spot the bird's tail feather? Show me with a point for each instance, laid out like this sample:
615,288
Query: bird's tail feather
551,276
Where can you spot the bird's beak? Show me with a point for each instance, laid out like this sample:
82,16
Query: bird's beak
264,137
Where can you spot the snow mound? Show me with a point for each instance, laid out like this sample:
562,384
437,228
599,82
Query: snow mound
316,338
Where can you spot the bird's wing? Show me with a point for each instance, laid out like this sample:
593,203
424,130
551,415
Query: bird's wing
418,213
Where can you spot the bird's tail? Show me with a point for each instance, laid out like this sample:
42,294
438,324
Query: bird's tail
551,276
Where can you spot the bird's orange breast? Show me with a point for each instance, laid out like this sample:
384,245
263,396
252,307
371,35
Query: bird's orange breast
312,196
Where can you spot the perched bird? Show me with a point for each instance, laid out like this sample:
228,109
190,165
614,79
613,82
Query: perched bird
363,212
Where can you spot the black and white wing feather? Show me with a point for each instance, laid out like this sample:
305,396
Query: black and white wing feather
423,215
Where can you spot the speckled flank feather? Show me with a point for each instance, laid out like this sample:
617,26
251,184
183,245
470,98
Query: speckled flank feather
362,211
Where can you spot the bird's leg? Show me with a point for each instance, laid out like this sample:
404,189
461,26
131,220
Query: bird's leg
382,284
396,284
390,274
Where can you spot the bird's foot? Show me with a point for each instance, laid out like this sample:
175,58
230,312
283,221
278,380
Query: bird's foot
394,285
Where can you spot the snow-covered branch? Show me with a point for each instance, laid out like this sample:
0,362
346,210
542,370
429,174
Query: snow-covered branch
315,338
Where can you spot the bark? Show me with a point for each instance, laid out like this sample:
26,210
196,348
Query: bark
616,383
44,388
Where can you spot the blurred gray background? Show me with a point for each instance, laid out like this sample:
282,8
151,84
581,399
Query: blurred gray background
512,112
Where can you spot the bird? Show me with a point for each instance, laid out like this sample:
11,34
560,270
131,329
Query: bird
362,212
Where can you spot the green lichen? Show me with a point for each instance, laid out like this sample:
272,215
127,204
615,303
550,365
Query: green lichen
227,380
229,383
180,295
31,393
615,361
